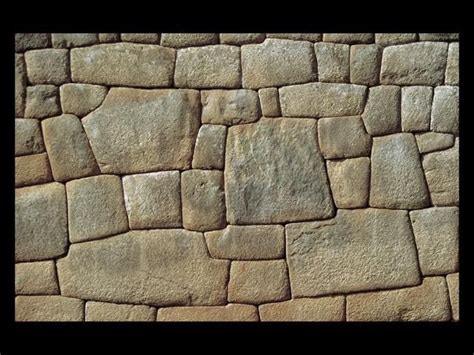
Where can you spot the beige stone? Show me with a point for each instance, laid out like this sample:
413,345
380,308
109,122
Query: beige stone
32,169
269,102
431,141
109,37
312,37
348,38
228,313
42,101
20,85
439,36
390,39
453,286
333,62
382,112
324,309
365,64
26,41
358,250
180,40
38,278
445,111
258,282
47,66
28,137
111,312
238,39
141,37
209,148
68,40
416,108
451,76
48,309
80,99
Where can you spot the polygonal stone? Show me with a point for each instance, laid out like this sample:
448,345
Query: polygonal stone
238,39
111,312
431,141
141,37
28,137
445,112
42,101
109,37
269,102
20,85
439,36
38,278
382,112
453,286
324,309
390,39
179,40
47,66
365,64
80,99
333,62
26,41
452,67
312,37
416,108
68,40
32,169
48,309
228,313
348,38
209,148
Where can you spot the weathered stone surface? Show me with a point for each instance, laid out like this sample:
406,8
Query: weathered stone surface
80,99
453,286
357,250
160,267
32,169
277,62
322,100
48,309
324,309
442,175
349,38
247,242
68,149
153,200
68,40
365,64
238,39
274,173
38,278
179,40
26,41
350,182
203,199
111,312
343,137
141,37
312,37
390,39
138,130
397,179
432,141
269,102
40,222
95,208
109,37
427,302
452,67
125,64
258,281
208,67
48,66
20,85
439,36
228,313
229,107
416,108
445,112
333,62
437,240
209,148
414,64
382,113
28,138
42,101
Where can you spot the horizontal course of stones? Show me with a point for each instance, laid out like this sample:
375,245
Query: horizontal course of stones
238,177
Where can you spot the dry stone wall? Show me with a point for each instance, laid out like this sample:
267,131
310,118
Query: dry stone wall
236,177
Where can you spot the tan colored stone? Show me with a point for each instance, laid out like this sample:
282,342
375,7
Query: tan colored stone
269,102
365,64
324,309
48,309
382,112
80,99
348,38
445,112
333,62
258,282
427,302
416,108
210,147
26,41
111,312
28,137
390,39
47,66
32,169
20,85
453,286
451,76
68,40
439,36
358,250
141,37
38,278
42,101
312,37
109,37
229,313
179,40
431,141
238,39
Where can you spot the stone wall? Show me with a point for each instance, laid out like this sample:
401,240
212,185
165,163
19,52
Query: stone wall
243,177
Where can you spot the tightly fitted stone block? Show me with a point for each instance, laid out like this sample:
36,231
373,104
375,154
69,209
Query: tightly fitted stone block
453,286
382,113
258,282
365,64
269,102
216,66
68,40
40,222
333,62
436,234
48,309
390,39
141,37
438,36
109,37
357,250
431,141
452,67
42,101
48,66
280,179
238,39
209,148
167,267
32,169
123,64
95,208
427,302
153,200
247,242
312,37
26,41
324,309
348,38
38,278
20,85
416,108
277,62
202,194
179,40
137,130
28,137
111,312
80,99
228,313
445,112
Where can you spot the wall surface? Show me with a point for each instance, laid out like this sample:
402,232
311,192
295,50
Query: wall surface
236,177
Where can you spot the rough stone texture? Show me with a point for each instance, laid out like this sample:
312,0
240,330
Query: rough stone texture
209,148
238,39
445,112
42,101
68,40
247,242
349,38
436,234
439,36
382,113
38,278
28,138
453,286
229,107
80,99
350,182
215,66
312,37
228,313
258,281
431,141
452,67
48,309
333,62
160,267
365,64
153,200
274,173
442,175
20,85
109,37
40,222
414,64
125,64
179,40
357,250
47,66
141,37
137,130
343,137
390,39
32,169
110,312
427,302
26,41
397,179
269,102
322,100
416,108
202,194
324,309
68,149
277,62
95,208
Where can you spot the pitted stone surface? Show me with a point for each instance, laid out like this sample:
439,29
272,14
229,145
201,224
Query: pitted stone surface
28,138
111,312
80,99
438,36
348,38
152,38
42,101
311,37
382,112
209,148
452,67
333,62
323,309
365,64
48,66
445,112
68,40
241,38
38,278
48,309
109,37
416,108
26,41
179,40
229,313
32,169
269,102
